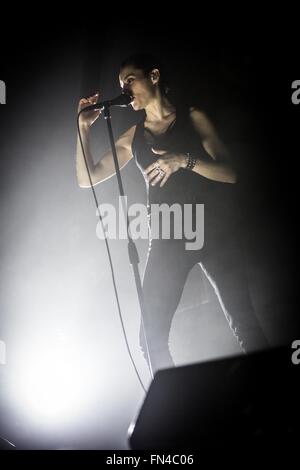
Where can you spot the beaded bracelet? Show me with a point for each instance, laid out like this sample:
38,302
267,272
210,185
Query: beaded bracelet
190,162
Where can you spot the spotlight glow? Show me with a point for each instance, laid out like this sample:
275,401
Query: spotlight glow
53,383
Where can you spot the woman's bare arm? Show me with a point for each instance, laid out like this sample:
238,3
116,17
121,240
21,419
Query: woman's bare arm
219,169
104,168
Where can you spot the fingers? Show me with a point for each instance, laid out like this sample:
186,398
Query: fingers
160,162
164,180
154,176
150,168
93,99
90,99
152,171
161,178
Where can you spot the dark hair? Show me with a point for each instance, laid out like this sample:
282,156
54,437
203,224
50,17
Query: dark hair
146,63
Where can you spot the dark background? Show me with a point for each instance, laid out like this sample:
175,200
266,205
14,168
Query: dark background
238,68
239,71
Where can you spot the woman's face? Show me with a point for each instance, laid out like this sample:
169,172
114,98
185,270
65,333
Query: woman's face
140,86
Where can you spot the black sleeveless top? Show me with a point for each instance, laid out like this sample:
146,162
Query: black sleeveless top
183,186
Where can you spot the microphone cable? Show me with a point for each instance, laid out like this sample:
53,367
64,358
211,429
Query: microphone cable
109,257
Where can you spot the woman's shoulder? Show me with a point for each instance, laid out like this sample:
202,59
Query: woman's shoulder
201,121
191,112
196,113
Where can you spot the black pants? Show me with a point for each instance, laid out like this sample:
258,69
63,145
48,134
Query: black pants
167,268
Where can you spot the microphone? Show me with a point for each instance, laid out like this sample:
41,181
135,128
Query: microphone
122,100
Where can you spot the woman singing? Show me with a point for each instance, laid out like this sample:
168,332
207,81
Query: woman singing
183,161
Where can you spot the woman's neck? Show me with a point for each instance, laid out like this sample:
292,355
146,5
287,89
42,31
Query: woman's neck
159,109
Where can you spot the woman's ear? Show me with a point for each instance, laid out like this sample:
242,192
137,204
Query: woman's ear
155,75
